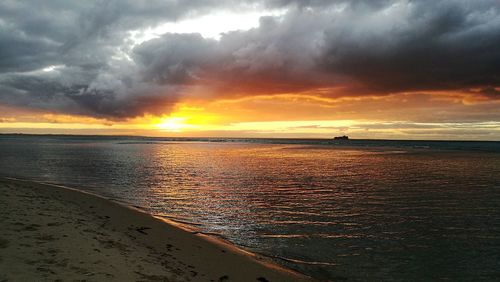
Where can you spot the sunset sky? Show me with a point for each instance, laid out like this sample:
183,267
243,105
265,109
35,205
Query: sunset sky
425,69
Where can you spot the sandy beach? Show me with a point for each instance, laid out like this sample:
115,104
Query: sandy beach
51,233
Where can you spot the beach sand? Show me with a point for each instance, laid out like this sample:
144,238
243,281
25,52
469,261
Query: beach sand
51,233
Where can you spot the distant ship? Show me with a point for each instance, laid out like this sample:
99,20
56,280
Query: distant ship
345,137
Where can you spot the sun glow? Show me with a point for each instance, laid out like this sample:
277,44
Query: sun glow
172,124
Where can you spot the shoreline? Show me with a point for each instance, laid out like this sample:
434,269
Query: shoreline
57,232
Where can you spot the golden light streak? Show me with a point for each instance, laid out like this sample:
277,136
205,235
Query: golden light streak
302,114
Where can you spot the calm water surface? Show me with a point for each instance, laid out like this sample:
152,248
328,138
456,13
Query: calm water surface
408,211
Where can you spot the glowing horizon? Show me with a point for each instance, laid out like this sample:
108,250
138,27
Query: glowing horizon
254,69
196,121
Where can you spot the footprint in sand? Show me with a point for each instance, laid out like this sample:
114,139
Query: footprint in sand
3,243
31,227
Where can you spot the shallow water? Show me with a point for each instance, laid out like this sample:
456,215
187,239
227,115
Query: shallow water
375,210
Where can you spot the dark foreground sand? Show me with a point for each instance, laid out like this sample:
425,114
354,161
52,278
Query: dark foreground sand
50,233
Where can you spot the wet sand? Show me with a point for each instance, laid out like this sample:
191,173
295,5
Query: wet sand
51,233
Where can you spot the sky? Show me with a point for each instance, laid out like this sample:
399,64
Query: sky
380,69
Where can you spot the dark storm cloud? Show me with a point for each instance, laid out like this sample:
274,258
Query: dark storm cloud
277,56
423,45
360,47
175,58
373,47
83,39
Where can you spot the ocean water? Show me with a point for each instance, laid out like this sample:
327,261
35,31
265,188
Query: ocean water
356,210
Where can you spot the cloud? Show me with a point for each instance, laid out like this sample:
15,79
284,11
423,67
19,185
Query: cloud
490,92
355,47
417,45
376,48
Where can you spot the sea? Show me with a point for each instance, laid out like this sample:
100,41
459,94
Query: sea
356,210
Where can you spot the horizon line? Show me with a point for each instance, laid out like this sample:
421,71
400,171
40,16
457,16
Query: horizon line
236,138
